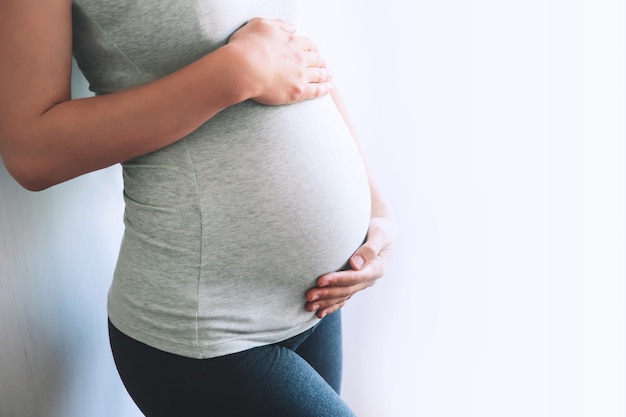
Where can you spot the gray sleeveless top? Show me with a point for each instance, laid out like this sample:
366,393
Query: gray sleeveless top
227,228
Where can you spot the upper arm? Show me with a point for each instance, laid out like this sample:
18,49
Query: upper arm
35,63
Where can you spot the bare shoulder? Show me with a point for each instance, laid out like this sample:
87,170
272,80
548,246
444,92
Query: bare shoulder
35,59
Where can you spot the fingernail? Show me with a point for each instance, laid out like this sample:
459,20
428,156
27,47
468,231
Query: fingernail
358,261
315,297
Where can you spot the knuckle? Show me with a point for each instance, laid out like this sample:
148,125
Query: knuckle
261,22
369,251
299,57
323,76
324,294
296,93
318,90
321,62
357,277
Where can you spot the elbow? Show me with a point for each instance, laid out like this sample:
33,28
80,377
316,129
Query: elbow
19,162
35,185
31,180
27,174
28,158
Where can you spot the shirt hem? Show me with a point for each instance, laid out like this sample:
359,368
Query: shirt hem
208,350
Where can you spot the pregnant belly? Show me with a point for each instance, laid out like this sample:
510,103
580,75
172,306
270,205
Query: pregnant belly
249,211
286,200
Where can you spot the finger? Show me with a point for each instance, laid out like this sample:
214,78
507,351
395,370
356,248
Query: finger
306,44
315,60
323,312
285,26
319,75
325,307
338,291
373,271
327,294
316,90
340,278
324,304
323,296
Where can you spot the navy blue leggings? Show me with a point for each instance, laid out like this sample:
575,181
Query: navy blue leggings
299,377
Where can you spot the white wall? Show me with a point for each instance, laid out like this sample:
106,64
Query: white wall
57,252
497,129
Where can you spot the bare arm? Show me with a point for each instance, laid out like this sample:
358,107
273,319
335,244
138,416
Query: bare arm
379,205
47,138
368,263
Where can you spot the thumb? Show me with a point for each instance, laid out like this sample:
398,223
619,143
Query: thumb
364,255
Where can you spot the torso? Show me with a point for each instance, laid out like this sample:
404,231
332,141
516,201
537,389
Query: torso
227,228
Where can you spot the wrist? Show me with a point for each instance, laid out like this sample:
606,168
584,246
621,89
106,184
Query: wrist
239,69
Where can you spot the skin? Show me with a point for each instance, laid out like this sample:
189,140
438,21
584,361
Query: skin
367,264
46,138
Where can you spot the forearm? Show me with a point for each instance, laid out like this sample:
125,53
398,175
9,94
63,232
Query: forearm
78,136
380,208
47,138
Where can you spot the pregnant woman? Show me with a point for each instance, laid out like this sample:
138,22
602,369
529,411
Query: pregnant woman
250,216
